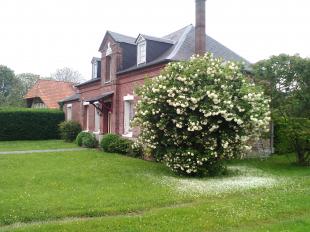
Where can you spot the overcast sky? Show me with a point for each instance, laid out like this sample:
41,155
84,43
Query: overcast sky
39,36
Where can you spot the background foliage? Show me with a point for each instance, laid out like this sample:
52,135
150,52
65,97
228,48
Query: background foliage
286,79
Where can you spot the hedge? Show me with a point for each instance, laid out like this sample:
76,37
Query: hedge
29,124
282,141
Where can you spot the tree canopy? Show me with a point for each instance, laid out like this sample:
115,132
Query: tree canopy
286,79
68,75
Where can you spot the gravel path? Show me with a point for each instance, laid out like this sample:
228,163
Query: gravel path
39,151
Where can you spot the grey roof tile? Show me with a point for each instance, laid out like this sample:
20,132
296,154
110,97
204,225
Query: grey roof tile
161,40
88,82
73,97
184,47
122,38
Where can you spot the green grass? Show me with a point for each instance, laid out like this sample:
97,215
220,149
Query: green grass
34,145
93,191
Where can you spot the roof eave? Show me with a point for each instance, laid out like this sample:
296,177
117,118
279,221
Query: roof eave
144,66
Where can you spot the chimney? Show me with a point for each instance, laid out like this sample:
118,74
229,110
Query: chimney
200,29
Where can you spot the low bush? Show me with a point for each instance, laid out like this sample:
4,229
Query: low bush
89,140
116,144
29,124
69,130
80,137
106,140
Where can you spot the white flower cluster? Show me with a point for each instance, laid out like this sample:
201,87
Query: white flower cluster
204,104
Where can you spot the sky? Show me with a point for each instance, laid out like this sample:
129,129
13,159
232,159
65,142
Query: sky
40,36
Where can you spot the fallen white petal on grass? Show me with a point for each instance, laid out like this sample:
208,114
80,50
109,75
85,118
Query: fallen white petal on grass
247,178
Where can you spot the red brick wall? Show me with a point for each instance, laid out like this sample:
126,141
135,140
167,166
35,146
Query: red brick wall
75,111
126,85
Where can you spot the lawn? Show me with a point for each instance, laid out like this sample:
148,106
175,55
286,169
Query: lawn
93,191
34,145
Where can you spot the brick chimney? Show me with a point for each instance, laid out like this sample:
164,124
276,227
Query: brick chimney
200,29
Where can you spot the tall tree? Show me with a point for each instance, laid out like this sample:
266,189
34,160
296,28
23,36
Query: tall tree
7,83
6,80
27,81
67,74
287,80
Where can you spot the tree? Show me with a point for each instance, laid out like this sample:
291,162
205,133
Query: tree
200,112
8,83
68,75
286,79
14,87
27,81
6,80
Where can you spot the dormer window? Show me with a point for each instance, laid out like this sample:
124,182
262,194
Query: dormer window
141,53
96,68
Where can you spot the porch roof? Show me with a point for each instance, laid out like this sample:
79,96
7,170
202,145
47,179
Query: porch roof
97,98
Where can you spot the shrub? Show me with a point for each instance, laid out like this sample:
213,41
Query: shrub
89,140
200,112
29,124
107,139
86,139
69,130
116,144
80,137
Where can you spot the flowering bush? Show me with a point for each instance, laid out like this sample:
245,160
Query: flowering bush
200,112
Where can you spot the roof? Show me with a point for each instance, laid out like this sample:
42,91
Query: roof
97,98
51,92
184,47
88,82
177,46
161,40
73,97
122,38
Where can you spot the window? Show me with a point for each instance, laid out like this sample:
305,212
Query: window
69,112
141,54
37,103
96,69
97,120
108,69
128,114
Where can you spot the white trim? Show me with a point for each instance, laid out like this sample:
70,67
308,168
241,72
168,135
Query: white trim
128,135
128,97
85,103
96,103
140,39
109,50
69,105
142,43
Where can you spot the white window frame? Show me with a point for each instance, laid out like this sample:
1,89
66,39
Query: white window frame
95,67
141,52
128,102
97,117
69,109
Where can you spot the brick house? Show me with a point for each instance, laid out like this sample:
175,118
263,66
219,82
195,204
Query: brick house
47,93
105,104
